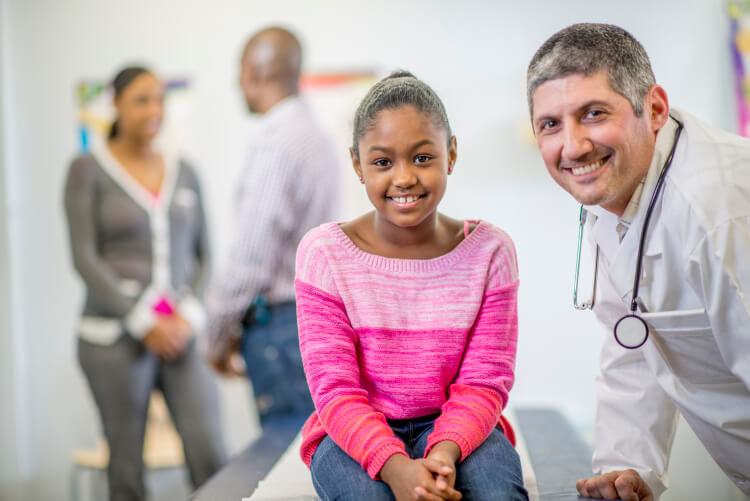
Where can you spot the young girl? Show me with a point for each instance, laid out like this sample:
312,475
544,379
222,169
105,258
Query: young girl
407,323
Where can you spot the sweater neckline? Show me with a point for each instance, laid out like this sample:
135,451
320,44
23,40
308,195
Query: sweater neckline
447,260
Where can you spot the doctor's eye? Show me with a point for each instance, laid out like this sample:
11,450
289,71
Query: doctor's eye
594,114
547,125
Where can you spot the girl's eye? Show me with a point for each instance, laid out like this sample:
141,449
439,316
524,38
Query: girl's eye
420,159
381,162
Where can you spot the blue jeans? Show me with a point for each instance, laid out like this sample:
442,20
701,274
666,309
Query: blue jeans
274,366
491,472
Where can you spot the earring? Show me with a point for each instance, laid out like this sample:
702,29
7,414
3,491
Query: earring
361,179
450,170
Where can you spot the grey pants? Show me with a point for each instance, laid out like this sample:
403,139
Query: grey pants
121,377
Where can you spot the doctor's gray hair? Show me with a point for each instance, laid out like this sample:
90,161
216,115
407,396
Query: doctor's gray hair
400,88
588,48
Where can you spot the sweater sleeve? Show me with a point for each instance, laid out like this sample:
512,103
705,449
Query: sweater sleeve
480,391
101,280
329,354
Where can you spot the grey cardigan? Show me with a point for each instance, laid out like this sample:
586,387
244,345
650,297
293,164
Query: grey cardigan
131,248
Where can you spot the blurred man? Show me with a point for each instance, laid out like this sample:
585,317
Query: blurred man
666,205
289,185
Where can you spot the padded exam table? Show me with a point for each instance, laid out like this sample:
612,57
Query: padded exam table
553,457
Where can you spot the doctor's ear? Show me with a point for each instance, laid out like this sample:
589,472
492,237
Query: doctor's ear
656,107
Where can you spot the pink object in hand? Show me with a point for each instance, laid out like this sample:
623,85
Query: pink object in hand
163,307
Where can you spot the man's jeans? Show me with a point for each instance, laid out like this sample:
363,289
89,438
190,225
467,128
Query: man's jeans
491,472
274,366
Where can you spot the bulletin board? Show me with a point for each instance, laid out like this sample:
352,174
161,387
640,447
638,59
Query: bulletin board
739,14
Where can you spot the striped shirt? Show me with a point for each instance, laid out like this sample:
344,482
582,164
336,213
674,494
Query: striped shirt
405,338
289,185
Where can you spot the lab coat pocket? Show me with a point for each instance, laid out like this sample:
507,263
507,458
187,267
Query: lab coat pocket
686,343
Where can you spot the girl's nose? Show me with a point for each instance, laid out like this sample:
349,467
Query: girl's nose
403,175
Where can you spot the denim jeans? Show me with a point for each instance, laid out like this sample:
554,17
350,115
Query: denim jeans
491,472
274,366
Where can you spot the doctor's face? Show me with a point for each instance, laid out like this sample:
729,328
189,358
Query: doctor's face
592,143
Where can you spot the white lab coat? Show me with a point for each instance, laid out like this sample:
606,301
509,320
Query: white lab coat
696,287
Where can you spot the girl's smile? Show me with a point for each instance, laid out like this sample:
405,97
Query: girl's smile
406,201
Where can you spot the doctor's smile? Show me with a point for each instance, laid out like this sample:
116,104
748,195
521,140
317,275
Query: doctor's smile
585,168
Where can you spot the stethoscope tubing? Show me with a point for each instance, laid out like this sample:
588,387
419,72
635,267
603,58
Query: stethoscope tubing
633,315
649,212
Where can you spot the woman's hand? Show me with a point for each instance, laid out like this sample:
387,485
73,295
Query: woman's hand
169,337
413,480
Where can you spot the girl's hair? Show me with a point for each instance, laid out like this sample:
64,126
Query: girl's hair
124,78
400,88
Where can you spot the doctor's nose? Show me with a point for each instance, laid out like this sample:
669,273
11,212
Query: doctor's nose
576,142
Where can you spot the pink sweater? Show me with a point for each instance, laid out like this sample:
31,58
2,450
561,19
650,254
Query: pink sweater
405,338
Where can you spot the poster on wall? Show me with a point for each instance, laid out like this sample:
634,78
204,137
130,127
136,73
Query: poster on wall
333,94
95,111
739,14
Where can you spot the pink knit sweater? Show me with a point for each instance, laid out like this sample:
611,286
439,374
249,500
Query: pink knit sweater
405,338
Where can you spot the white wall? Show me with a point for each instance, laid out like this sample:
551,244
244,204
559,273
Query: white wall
474,54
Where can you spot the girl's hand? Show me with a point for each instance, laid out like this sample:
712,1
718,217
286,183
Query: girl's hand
441,461
412,480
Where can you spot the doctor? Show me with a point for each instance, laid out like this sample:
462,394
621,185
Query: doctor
607,135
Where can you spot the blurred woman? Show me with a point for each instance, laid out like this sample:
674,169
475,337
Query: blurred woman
138,238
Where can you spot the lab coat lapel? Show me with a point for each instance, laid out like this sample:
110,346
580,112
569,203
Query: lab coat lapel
623,263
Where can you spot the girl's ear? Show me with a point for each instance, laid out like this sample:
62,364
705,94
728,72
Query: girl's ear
452,153
356,165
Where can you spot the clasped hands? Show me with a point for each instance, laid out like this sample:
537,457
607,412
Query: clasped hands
169,337
429,479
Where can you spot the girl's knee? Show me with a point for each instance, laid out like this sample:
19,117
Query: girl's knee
492,471
337,477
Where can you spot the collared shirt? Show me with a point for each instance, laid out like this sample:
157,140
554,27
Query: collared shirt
623,223
289,184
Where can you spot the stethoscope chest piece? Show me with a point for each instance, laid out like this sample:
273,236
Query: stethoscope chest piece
631,332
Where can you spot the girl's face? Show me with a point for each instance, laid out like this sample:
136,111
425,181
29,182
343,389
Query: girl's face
404,161
140,107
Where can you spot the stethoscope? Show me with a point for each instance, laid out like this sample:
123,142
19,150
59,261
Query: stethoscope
631,330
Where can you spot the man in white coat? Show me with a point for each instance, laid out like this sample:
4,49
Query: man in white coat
606,134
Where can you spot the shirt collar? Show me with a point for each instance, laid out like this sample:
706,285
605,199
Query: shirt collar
281,110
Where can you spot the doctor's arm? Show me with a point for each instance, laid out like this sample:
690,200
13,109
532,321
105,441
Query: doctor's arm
634,428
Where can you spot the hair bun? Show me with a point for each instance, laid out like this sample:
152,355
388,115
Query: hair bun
401,74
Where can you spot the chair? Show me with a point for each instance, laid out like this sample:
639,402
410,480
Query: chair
162,449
